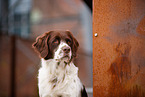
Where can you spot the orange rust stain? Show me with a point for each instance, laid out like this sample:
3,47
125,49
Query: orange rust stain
120,70
141,27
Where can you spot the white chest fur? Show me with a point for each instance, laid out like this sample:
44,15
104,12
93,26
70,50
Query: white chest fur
58,79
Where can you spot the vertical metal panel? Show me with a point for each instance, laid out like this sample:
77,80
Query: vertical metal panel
119,48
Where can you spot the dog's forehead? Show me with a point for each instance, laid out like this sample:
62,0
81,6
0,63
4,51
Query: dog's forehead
61,34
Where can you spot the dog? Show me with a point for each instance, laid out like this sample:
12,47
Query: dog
58,76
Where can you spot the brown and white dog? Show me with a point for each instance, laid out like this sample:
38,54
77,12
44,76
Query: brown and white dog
58,76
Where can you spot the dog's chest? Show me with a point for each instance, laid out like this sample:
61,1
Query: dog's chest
56,80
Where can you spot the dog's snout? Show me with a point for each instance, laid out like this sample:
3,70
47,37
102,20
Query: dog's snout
66,49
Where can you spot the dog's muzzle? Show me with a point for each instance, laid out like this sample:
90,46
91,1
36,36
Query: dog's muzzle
66,51
63,52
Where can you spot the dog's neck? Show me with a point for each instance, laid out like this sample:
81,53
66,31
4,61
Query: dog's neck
55,65
59,77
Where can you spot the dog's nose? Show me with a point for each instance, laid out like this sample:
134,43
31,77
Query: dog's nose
66,49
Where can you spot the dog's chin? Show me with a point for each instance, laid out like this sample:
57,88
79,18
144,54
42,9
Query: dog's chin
65,59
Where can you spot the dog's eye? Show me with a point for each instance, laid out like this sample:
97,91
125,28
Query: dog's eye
56,41
68,41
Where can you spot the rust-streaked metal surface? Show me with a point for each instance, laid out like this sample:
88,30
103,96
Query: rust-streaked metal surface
119,48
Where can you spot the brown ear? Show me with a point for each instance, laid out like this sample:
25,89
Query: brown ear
75,43
75,46
41,45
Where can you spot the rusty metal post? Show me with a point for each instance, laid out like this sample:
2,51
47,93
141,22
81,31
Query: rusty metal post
119,48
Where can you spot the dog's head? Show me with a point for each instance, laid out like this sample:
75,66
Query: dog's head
56,45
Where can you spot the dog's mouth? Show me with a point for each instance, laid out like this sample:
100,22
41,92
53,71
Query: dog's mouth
66,58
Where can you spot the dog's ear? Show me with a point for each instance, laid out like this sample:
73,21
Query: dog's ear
75,43
75,46
41,45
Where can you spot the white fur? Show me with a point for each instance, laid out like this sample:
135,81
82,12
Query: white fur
69,87
58,78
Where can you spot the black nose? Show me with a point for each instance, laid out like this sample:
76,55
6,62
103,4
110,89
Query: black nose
66,49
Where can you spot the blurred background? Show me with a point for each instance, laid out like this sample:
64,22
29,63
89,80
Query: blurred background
21,21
